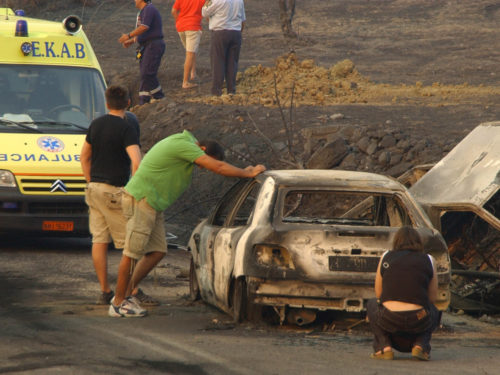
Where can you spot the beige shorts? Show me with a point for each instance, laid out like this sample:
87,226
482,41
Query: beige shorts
106,220
190,40
145,228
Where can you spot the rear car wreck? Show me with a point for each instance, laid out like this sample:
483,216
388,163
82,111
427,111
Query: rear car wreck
297,242
461,195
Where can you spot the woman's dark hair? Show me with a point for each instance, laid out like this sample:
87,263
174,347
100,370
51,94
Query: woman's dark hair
407,238
117,97
213,149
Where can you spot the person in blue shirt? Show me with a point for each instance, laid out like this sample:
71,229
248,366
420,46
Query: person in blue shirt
149,35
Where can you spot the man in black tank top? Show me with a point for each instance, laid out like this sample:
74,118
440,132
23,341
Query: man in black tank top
403,315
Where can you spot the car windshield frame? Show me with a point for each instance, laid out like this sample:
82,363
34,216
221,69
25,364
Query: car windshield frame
45,98
410,217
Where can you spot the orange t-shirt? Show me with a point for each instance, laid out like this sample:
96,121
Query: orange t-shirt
189,18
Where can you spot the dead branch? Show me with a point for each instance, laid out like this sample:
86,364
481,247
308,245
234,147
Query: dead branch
285,125
266,139
247,147
270,144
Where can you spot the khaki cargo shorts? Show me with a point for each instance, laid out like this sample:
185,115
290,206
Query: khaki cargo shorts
190,40
106,220
145,228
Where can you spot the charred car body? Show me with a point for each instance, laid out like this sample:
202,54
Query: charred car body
461,195
302,241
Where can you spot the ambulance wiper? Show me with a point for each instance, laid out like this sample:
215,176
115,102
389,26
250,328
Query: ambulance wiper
55,123
20,124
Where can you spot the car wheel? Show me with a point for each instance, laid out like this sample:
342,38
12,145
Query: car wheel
239,300
194,287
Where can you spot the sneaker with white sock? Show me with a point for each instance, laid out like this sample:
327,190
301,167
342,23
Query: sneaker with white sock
126,309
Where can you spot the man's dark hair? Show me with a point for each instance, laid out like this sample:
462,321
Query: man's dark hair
213,149
117,97
407,238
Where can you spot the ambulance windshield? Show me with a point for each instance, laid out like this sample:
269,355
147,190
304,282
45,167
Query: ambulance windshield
51,95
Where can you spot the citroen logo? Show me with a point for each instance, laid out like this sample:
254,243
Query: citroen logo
58,185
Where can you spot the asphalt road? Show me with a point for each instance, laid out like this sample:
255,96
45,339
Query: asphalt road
49,325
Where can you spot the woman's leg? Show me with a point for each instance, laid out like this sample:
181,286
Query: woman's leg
423,339
381,338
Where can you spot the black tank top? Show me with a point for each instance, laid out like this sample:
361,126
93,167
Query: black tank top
406,276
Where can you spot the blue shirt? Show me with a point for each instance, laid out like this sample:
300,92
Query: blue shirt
150,17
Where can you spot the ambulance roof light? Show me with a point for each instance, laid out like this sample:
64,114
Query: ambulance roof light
19,12
21,28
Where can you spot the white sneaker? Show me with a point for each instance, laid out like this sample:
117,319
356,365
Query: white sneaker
126,309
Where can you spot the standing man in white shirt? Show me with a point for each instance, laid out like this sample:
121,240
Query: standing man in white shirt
226,23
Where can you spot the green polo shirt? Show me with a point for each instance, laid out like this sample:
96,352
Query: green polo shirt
165,172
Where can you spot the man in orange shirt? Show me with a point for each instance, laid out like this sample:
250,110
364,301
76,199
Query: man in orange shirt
187,15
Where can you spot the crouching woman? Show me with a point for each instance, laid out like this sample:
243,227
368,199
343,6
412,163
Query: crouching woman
403,315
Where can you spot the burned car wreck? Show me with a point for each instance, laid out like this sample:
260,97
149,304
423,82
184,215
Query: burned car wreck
295,242
461,195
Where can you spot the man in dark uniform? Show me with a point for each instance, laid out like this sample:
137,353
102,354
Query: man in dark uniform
149,34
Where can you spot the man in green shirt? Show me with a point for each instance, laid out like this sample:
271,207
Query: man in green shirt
163,175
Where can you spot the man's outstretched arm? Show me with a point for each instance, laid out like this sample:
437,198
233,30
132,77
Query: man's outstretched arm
226,169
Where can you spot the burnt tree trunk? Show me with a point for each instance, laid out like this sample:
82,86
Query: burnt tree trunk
287,11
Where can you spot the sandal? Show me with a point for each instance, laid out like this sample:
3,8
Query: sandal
389,355
418,353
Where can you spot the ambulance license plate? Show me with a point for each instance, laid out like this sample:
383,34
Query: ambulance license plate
58,226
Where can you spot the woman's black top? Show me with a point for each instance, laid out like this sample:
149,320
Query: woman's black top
406,276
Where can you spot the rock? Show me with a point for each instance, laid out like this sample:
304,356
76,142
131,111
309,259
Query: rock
351,133
399,169
403,144
372,147
363,144
350,162
337,116
396,157
387,141
421,145
384,157
328,156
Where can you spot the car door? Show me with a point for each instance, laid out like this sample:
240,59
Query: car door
226,239
205,240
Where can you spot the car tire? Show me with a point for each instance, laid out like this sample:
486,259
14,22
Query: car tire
194,286
240,300
243,308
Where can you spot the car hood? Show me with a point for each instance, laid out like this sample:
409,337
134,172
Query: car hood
468,174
